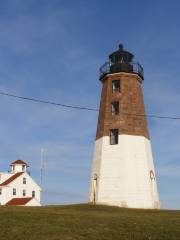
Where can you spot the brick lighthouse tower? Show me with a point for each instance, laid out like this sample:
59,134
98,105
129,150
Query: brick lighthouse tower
123,171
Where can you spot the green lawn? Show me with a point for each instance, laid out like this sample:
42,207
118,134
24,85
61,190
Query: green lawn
87,222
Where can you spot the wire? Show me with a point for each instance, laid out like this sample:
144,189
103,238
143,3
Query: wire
83,108
153,116
47,102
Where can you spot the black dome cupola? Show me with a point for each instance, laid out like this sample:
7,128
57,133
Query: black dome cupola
121,61
121,56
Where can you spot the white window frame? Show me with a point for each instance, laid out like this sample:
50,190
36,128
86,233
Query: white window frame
14,191
115,108
114,136
24,180
114,89
24,192
33,193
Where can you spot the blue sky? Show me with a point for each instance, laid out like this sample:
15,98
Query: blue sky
52,50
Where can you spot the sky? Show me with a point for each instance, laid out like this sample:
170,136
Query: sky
52,50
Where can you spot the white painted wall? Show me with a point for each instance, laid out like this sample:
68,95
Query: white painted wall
33,202
7,191
4,176
123,172
15,168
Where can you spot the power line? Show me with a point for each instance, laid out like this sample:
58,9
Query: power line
83,108
47,102
153,116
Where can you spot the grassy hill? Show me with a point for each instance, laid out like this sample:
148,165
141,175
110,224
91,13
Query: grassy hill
77,222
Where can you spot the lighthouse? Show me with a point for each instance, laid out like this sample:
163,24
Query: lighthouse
123,171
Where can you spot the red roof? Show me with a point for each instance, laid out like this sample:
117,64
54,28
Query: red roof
19,162
12,178
19,201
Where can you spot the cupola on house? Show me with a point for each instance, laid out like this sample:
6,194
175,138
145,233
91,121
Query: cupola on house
123,172
17,186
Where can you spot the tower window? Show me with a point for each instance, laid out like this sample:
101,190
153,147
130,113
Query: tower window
14,191
0,191
24,192
115,108
116,86
114,136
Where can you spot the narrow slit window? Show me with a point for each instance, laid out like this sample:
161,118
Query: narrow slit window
115,108
116,86
114,136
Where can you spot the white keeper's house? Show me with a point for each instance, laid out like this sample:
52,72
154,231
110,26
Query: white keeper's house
18,188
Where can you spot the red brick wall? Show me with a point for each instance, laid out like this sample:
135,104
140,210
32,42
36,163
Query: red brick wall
131,102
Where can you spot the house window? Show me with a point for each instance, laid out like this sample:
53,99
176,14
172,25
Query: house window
114,136
116,86
0,191
24,192
115,108
24,180
14,191
33,193
23,168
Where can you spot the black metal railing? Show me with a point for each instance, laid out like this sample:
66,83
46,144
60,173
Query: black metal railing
136,68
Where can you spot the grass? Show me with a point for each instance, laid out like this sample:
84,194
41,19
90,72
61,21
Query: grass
81,222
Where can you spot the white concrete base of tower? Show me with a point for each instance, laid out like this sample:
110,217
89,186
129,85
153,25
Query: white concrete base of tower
123,175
